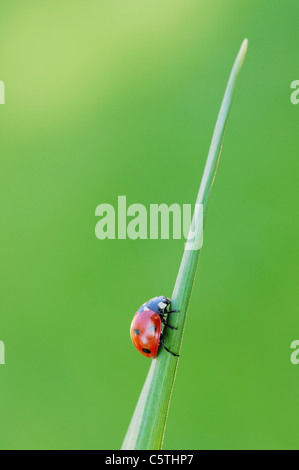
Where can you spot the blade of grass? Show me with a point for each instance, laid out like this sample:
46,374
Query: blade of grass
147,427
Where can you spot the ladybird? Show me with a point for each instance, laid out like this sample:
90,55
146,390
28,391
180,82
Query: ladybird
146,327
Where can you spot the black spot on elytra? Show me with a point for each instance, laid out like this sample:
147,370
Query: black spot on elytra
152,328
136,332
146,351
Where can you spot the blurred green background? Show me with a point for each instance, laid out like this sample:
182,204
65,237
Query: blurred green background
108,98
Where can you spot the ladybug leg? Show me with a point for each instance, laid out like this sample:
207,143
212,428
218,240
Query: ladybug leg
166,324
173,311
168,350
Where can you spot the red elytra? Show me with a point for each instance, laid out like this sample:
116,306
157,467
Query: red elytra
145,332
